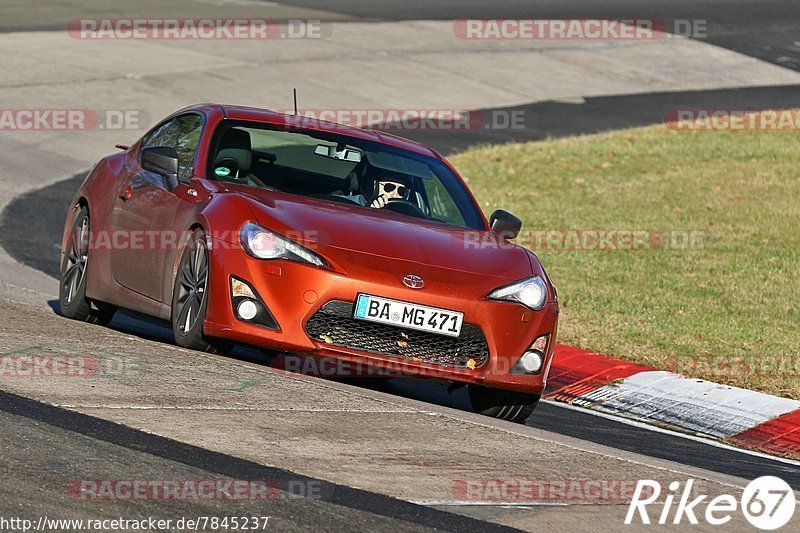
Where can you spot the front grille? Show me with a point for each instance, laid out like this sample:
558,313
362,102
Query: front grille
334,324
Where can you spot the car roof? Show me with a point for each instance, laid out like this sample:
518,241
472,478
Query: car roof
267,116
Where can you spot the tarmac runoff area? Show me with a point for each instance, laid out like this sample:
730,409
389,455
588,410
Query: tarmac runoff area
367,440
327,431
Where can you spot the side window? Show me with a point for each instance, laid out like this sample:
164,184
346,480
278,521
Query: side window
183,134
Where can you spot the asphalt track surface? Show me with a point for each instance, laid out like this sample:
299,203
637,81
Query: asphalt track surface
120,452
552,119
31,227
766,29
34,222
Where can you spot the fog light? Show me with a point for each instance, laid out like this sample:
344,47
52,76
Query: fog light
532,361
247,309
248,306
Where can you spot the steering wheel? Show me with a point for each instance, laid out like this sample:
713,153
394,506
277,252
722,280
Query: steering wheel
404,207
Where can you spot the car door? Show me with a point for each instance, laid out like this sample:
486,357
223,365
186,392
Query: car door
145,209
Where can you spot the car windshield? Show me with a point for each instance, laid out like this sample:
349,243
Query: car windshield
340,168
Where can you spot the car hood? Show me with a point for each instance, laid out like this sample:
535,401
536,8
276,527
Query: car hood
355,235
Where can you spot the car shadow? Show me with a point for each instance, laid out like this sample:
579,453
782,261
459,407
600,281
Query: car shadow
153,329
160,331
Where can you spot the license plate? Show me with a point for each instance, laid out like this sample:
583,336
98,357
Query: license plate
408,315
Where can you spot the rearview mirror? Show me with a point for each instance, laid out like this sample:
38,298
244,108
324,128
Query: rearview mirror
505,224
162,160
354,156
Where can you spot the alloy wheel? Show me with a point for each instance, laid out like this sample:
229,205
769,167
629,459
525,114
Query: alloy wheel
192,283
77,257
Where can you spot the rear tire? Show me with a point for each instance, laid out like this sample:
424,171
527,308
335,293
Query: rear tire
502,404
72,285
190,299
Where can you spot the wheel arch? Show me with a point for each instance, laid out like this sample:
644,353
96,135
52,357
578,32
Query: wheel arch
221,220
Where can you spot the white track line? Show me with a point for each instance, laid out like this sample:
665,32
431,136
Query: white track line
459,503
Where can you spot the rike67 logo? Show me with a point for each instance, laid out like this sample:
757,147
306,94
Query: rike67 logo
767,503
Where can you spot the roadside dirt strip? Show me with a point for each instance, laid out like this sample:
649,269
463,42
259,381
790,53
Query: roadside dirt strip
745,418
345,435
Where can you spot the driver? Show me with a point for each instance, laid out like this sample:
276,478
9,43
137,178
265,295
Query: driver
387,189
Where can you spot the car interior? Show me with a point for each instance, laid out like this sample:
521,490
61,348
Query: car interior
318,168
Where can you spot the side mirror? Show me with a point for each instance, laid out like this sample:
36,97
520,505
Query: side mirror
505,224
162,160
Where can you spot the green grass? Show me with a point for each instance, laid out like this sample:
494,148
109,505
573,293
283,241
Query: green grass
727,311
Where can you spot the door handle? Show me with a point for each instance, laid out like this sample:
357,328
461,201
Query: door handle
126,194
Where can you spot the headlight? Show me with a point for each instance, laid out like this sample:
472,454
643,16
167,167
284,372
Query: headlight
262,243
530,292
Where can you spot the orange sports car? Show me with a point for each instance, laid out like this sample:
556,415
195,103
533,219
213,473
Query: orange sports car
308,237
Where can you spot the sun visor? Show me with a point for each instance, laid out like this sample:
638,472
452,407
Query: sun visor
395,163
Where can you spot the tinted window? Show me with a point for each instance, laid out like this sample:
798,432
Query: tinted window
340,168
181,133
295,151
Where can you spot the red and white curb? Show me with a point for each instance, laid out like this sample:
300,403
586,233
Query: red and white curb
744,418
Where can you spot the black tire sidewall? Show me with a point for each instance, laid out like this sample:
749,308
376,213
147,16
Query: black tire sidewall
79,308
194,338
502,404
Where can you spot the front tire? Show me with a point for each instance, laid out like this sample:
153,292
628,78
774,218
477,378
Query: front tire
503,404
72,286
190,299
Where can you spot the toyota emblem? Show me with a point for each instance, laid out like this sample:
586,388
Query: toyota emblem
413,282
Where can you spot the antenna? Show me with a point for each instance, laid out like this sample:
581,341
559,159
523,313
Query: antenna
294,92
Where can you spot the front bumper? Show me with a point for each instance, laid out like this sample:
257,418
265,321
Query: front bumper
295,293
